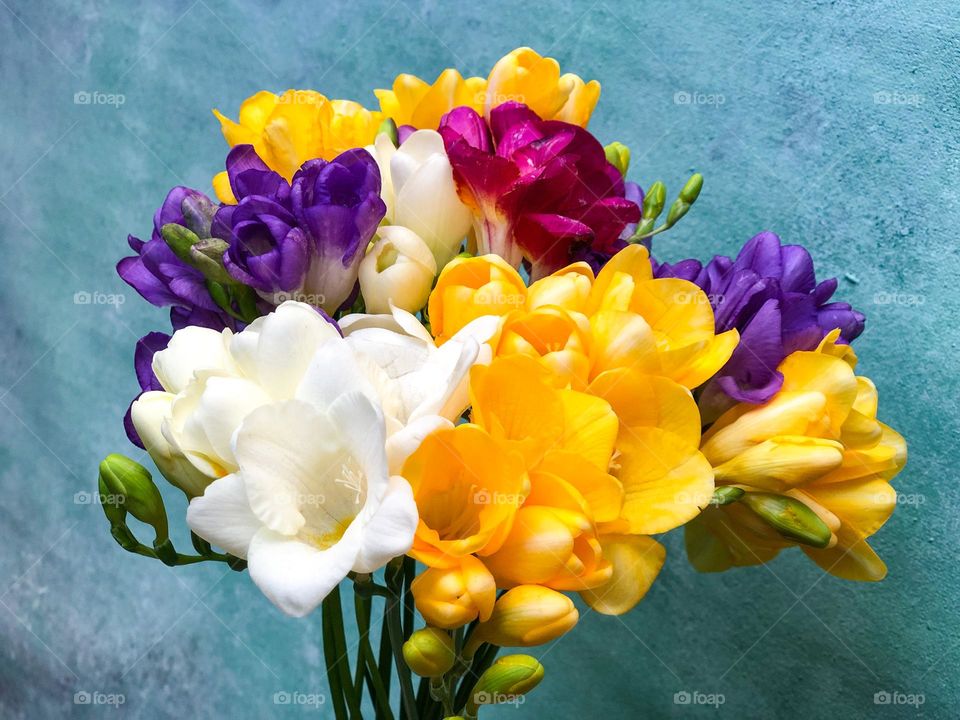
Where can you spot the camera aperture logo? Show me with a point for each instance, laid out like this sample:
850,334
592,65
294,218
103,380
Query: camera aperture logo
483,697
697,697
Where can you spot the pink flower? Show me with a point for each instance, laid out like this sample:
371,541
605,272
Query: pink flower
541,191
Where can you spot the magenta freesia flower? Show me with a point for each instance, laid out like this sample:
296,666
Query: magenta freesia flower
541,191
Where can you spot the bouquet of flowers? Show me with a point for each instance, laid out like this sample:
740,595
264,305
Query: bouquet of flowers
424,353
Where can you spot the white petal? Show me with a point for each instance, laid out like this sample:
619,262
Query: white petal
403,443
222,516
440,387
429,205
362,431
224,404
296,576
285,451
192,348
416,150
389,532
333,371
288,339
149,413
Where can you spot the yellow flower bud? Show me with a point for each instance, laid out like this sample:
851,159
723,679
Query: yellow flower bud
527,615
505,680
450,598
429,652
399,268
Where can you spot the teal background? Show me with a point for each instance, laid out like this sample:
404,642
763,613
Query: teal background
833,124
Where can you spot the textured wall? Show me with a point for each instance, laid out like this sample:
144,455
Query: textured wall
785,122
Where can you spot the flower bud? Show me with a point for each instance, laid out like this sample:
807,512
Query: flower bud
691,190
126,479
507,678
198,211
389,128
618,155
179,239
726,494
527,615
790,517
398,269
450,598
429,652
654,200
207,257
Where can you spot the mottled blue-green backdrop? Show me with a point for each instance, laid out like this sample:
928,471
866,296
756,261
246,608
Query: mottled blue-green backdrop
834,124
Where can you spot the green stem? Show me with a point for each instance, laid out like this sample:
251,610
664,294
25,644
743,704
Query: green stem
394,583
409,571
481,661
366,663
330,657
334,602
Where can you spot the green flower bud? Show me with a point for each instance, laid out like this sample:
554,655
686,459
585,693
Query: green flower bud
691,191
180,240
125,478
654,201
507,678
207,257
618,155
429,652
112,505
790,517
677,210
726,494
389,128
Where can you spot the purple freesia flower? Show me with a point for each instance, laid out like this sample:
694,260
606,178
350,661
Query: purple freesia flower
147,347
770,294
162,278
305,238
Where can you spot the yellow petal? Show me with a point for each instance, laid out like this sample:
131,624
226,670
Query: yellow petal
781,462
863,505
642,400
851,558
636,561
622,340
730,536
221,186
602,493
826,374
665,481
633,263
589,427
692,365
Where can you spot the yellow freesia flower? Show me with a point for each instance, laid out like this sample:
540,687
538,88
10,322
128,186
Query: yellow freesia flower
289,129
818,443
526,76
547,487
413,101
581,326
522,75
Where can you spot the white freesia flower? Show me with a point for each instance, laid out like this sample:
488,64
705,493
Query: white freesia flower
284,416
399,268
423,387
419,192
